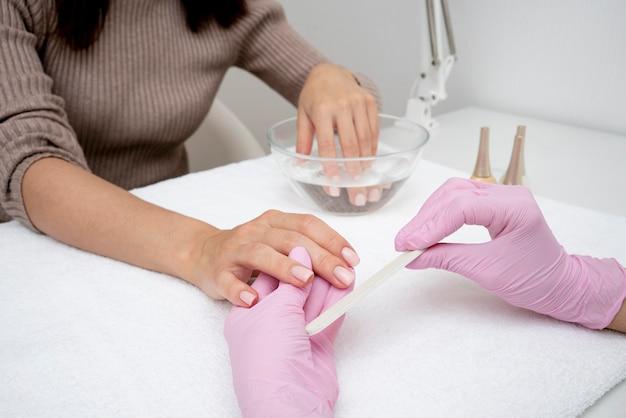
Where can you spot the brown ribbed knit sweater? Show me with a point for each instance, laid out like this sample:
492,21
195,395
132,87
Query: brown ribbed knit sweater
124,107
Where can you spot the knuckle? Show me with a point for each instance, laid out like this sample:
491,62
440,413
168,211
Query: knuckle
270,213
327,261
336,242
323,108
293,240
344,103
256,249
244,231
255,253
308,223
453,182
357,98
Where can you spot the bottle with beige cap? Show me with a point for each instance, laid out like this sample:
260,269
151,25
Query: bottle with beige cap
516,171
482,169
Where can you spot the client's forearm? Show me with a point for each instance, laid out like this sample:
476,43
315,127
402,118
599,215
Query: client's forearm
85,211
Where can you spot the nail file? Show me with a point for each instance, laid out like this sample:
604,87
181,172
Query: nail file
343,305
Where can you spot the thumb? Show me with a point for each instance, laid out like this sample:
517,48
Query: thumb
293,293
467,207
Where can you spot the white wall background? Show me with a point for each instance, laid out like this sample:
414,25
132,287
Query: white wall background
560,60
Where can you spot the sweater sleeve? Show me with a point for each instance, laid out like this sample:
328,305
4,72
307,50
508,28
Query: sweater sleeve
33,122
273,51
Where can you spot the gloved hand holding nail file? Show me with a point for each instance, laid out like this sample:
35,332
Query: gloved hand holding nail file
523,263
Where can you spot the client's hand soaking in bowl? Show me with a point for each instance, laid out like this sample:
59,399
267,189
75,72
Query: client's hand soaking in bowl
331,183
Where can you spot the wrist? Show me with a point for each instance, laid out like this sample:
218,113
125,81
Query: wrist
327,67
188,255
603,293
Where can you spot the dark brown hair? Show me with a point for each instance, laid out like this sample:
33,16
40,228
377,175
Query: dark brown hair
80,21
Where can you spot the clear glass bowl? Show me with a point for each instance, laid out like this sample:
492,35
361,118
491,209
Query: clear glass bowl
350,186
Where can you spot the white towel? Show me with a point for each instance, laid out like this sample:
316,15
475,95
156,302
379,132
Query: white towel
82,335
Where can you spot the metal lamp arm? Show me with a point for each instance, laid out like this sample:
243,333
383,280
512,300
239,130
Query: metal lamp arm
430,87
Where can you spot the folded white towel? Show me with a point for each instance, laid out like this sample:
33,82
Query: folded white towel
81,335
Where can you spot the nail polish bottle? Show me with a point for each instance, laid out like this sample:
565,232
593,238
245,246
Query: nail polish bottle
482,169
516,171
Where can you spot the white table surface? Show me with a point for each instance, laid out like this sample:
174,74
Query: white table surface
165,302
575,165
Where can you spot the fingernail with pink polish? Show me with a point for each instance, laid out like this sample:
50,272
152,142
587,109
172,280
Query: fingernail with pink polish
344,275
374,195
301,273
350,256
247,297
334,191
360,199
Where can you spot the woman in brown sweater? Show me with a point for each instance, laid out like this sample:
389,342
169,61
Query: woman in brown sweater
98,97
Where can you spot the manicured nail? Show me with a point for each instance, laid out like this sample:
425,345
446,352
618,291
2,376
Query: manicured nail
350,256
360,199
334,191
344,275
247,297
301,273
374,195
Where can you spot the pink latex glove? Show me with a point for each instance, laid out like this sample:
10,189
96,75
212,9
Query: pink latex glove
278,370
523,263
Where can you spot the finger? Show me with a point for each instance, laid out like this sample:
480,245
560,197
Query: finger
374,193
466,208
318,231
363,132
301,255
304,142
357,196
332,191
322,297
291,293
349,142
433,206
323,124
264,285
236,291
372,116
315,303
324,261
333,296
260,256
